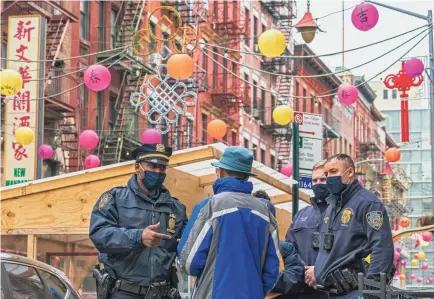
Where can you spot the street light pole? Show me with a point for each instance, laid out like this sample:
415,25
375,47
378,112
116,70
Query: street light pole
429,19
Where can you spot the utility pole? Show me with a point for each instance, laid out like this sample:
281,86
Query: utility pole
429,19
295,167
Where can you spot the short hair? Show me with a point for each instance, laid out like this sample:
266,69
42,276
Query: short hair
236,175
343,157
319,165
262,194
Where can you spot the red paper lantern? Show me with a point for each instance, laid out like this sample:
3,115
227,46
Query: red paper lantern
392,155
404,222
286,170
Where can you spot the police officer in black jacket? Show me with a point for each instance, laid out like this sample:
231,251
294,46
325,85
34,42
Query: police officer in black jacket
355,225
135,228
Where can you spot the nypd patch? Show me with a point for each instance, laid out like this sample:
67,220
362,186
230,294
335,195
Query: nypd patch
375,219
105,198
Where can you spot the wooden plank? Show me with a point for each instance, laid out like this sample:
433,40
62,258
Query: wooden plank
406,233
32,247
46,231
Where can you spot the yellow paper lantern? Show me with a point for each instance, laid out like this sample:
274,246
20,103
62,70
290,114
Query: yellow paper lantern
24,135
413,263
272,43
11,82
421,255
282,115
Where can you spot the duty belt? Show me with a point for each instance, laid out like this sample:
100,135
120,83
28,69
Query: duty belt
121,285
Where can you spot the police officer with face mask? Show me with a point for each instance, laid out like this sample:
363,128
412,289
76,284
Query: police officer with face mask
135,228
304,231
355,225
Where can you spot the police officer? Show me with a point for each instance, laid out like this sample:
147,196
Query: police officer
304,231
355,225
135,228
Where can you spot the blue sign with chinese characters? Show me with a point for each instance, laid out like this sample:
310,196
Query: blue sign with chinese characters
305,182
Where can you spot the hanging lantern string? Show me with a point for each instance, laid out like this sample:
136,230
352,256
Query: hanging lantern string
321,75
329,92
314,56
308,5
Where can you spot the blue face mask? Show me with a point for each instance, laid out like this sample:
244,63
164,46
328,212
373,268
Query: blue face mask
321,192
153,180
335,185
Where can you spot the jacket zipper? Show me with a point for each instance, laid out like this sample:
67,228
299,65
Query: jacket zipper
150,249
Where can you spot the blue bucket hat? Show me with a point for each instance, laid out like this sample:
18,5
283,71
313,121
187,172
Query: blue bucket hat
236,158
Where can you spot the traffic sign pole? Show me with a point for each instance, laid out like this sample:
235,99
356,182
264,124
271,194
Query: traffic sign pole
295,167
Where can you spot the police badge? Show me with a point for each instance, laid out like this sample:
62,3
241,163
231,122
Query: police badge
171,224
346,216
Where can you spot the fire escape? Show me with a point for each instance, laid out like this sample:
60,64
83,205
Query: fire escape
59,21
192,12
282,12
118,145
228,21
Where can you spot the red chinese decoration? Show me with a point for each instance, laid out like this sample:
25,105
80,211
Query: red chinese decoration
403,83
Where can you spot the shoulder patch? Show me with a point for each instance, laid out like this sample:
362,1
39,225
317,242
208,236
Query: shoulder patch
105,198
375,219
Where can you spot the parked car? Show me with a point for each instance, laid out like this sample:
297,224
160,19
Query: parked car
23,278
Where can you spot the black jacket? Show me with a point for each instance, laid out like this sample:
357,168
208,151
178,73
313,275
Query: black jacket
117,222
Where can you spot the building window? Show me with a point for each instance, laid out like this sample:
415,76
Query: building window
248,31
394,94
272,161
4,55
204,126
234,138
84,107
112,111
319,107
255,95
255,33
204,59
326,115
254,152
246,143
101,26
273,105
84,19
246,95
215,66
385,94
264,28
262,112
154,32
304,108
297,94
234,72
113,27
312,104
99,113
262,156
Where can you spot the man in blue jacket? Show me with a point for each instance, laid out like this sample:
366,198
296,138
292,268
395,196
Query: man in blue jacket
355,225
232,244
305,228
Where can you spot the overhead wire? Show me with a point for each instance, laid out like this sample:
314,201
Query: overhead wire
320,75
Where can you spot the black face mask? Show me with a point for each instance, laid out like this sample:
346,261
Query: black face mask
153,180
321,192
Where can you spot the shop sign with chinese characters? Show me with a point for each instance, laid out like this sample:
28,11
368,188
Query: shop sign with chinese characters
23,49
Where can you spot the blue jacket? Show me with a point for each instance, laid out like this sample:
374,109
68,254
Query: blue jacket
306,222
360,225
232,245
116,226
292,277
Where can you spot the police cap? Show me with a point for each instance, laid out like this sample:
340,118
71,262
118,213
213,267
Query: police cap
156,153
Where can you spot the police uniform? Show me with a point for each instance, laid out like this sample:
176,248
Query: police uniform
304,234
355,225
116,226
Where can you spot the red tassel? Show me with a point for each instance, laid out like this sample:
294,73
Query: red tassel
405,130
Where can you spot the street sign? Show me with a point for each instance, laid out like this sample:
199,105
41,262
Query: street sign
305,182
310,140
310,125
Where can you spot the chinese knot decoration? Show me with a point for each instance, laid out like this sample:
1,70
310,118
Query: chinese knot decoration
403,83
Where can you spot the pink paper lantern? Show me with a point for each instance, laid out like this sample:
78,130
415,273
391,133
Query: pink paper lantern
412,277
151,136
286,170
396,255
403,263
88,139
414,67
427,237
348,94
419,279
365,16
398,249
45,151
424,266
431,279
97,77
91,161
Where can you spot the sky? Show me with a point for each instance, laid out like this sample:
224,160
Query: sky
390,23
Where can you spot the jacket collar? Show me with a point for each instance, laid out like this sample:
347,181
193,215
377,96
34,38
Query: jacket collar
346,194
232,185
161,195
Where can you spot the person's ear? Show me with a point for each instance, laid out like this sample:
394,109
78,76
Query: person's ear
136,167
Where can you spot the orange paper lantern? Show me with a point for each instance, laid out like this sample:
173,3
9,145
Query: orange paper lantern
401,277
217,129
180,66
404,222
392,155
